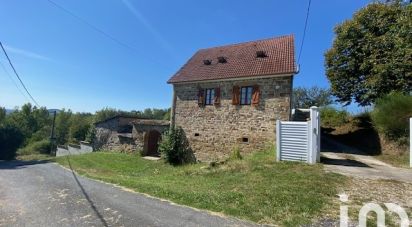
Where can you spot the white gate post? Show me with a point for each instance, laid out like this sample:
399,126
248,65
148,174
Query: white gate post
310,142
410,142
278,140
314,135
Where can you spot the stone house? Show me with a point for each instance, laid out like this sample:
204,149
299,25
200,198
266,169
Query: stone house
129,134
231,96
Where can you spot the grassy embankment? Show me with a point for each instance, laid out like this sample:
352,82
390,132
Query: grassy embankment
256,188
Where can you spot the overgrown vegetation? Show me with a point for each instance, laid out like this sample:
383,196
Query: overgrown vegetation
256,188
391,116
332,117
175,148
38,147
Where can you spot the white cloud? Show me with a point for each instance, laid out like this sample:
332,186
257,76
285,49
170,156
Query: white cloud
26,53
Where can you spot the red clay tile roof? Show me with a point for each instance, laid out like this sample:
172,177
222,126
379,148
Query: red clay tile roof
241,61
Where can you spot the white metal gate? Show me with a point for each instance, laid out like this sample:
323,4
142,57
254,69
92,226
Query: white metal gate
299,141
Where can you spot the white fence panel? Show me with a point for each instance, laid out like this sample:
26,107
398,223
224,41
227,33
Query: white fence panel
293,141
299,141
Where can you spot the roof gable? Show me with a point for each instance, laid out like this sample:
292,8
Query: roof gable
241,61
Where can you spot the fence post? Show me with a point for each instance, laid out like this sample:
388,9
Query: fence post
314,141
410,142
278,140
310,141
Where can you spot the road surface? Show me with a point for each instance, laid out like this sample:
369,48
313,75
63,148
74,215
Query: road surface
45,194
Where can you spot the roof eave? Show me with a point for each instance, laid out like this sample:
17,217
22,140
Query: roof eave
234,78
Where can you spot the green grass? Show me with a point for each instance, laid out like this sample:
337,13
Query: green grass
399,160
256,188
35,157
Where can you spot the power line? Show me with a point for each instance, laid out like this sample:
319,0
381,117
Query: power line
15,72
93,27
102,32
304,30
14,82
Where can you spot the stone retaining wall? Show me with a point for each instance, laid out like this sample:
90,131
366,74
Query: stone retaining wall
82,148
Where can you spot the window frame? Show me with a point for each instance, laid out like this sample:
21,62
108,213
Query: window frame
209,97
247,98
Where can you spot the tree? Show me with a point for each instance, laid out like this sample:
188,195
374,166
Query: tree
63,126
2,114
372,53
34,123
79,126
10,139
105,113
395,125
313,96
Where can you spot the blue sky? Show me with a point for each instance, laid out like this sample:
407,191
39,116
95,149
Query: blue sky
66,64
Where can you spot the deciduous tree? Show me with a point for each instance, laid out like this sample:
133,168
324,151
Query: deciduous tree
371,55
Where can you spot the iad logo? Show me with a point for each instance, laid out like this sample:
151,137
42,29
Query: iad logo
371,207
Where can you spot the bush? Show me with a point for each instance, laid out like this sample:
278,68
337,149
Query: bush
42,146
332,118
175,147
11,138
391,115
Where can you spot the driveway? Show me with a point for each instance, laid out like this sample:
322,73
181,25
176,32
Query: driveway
351,162
45,194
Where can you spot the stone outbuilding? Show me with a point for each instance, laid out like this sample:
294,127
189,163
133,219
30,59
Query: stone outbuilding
147,134
130,134
231,96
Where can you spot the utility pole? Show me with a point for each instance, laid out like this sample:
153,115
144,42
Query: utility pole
52,137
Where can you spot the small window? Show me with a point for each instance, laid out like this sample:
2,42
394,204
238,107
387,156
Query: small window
246,95
245,140
210,96
197,134
221,59
261,54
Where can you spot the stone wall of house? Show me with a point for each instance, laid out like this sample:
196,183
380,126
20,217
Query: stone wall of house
115,135
214,131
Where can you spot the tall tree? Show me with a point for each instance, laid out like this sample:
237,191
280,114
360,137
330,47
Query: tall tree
63,126
79,126
314,96
371,55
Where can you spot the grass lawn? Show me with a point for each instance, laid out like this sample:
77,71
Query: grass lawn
256,188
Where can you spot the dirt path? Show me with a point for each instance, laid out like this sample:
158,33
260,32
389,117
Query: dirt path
351,162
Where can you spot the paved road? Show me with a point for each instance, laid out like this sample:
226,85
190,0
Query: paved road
44,194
